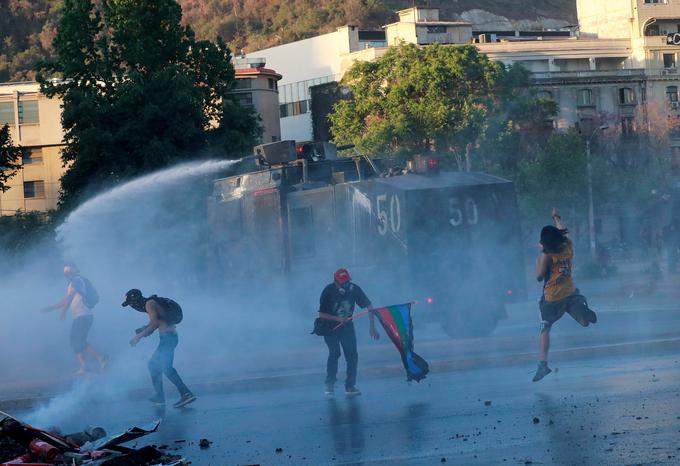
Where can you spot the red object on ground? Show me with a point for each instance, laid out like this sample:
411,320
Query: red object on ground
43,449
26,460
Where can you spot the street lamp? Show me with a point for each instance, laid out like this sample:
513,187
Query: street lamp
591,210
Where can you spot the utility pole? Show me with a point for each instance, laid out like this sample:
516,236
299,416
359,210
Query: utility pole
589,180
591,209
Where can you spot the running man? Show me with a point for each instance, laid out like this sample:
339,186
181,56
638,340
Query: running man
337,304
158,310
80,304
560,295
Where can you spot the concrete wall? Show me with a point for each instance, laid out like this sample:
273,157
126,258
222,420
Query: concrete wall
607,19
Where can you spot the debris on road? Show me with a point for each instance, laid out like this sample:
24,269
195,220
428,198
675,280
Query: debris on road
21,443
536,420
487,403
204,443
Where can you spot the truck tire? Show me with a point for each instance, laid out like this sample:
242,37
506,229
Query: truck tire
468,325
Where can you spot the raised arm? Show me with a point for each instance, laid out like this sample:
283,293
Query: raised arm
557,218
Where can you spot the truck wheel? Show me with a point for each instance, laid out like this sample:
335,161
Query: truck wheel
466,325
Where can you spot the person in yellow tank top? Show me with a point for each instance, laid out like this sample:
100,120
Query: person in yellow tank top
560,295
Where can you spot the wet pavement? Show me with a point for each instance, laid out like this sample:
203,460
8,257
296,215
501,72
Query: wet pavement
623,410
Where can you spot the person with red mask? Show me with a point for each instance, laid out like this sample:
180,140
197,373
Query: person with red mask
337,304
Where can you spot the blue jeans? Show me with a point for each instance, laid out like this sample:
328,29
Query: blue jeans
345,337
162,363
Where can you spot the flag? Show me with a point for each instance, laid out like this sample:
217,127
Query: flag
396,320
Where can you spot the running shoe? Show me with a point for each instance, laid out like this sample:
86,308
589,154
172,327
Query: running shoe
591,316
352,391
185,400
157,400
541,371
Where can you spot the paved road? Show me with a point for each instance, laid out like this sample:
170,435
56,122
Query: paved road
614,411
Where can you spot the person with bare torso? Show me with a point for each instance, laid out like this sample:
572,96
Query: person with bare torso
161,318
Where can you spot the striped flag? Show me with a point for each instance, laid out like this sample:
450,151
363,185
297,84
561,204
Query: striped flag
396,320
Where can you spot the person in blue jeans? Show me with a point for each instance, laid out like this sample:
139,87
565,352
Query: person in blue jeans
163,358
337,304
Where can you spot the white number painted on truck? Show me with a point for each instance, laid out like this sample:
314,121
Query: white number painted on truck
467,212
388,219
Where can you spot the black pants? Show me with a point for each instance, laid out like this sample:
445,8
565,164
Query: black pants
345,337
161,363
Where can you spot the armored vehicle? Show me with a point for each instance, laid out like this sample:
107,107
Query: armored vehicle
449,241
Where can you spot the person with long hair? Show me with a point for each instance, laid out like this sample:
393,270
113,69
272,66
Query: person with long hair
560,295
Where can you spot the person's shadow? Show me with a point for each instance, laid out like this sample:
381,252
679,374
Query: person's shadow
346,426
568,443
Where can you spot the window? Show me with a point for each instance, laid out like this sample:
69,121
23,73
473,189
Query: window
672,93
7,113
585,97
436,29
34,189
32,157
245,99
243,83
545,95
652,30
283,110
669,60
28,112
294,108
272,83
626,96
627,126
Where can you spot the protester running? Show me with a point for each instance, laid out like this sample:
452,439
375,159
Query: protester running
337,305
81,297
560,295
163,314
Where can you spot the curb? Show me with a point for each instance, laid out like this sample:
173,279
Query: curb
436,366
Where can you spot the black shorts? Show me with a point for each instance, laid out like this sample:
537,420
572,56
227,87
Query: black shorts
575,305
79,331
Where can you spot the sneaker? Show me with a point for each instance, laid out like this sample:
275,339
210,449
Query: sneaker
352,391
541,371
185,400
591,316
329,391
157,400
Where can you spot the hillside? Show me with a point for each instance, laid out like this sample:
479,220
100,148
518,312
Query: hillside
27,27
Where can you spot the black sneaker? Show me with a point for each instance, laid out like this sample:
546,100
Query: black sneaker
157,400
541,371
329,391
352,391
185,400
591,316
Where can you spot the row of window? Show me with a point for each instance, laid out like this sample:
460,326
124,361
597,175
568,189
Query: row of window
27,112
585,96
294,108
247,83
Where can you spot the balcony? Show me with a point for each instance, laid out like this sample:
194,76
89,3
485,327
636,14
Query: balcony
589,75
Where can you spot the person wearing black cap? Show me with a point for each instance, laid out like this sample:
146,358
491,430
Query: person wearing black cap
560,295
337,305
163,315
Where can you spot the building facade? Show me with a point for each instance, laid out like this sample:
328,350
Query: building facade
622,56
35,123
257,87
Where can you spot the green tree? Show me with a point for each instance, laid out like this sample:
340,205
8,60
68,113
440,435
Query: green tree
9,158
139,92
555,177
416,99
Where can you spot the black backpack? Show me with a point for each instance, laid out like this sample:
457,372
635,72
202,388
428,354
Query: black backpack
172,312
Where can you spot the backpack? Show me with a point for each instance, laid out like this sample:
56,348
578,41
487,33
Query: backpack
172,312
90,294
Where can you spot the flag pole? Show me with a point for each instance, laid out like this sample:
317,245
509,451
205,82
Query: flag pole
351,318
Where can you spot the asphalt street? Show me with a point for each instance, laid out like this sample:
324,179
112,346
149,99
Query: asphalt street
616,411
